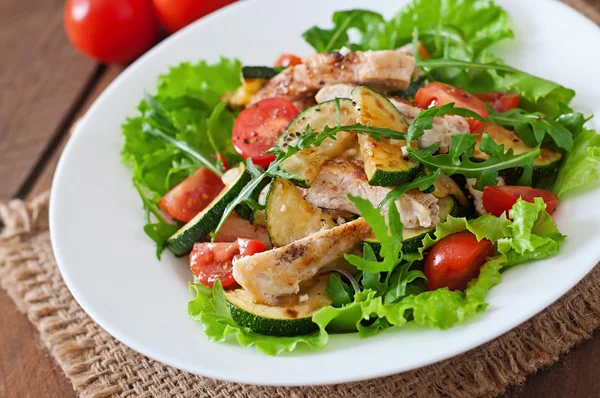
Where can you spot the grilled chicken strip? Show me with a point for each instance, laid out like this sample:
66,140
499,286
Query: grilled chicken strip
339,177
277,273
386,68
443,127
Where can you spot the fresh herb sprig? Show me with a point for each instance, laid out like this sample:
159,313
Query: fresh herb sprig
458,159
165,127
534,127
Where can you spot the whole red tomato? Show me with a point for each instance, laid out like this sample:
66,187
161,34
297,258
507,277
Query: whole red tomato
176,14
111,31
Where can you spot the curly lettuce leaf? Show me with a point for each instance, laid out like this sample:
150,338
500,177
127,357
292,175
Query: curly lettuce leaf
210,308
186,108
581,166
458,35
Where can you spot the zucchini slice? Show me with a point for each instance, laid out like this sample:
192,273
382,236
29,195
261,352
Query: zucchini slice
293,319
198,228
290,217
545,164
260,72
385,164
412,239
306,163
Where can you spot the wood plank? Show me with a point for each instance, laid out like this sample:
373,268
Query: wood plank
575,375
26,367
44,181
41,77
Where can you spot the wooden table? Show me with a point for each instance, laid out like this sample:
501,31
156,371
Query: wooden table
45,86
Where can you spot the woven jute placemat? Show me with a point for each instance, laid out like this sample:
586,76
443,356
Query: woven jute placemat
99,366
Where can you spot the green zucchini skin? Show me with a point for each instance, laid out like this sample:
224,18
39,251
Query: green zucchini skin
260,72
385,178
206,221
272,327
286,320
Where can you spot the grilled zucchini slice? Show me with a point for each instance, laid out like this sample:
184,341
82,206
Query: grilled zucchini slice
198,228
290,217
306,163
385,164
546,164
292,319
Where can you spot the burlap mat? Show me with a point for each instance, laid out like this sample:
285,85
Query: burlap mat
100,366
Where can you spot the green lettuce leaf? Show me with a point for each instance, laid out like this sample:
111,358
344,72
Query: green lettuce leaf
211,309
581,166
185,109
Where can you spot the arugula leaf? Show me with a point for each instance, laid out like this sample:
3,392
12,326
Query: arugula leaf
399,282
458,160
532,128
391,243
580,167
340,292
424,120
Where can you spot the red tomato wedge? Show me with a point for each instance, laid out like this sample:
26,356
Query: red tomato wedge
212,261
257,127
499,101
288,60
191,195
498,200
455,260
436,94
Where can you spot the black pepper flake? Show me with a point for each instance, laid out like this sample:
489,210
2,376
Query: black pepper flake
246,141
353,103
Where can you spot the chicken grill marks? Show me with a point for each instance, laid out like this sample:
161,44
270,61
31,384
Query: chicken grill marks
387,68
271,276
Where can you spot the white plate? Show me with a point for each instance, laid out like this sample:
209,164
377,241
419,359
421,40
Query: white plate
110,267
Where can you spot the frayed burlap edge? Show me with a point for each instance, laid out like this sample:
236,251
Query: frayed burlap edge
99,366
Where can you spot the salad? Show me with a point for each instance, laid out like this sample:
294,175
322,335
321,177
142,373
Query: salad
391,177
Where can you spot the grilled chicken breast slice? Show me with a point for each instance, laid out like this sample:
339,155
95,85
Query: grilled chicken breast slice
339,177
443,128
277,273
386,68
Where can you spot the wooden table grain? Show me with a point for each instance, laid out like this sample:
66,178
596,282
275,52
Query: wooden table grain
45,86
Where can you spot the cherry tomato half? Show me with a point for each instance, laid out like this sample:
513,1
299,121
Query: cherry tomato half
499,101
455,260
437,94
288,60
212,261
176,14
192,195
257,127
111,31
497,200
